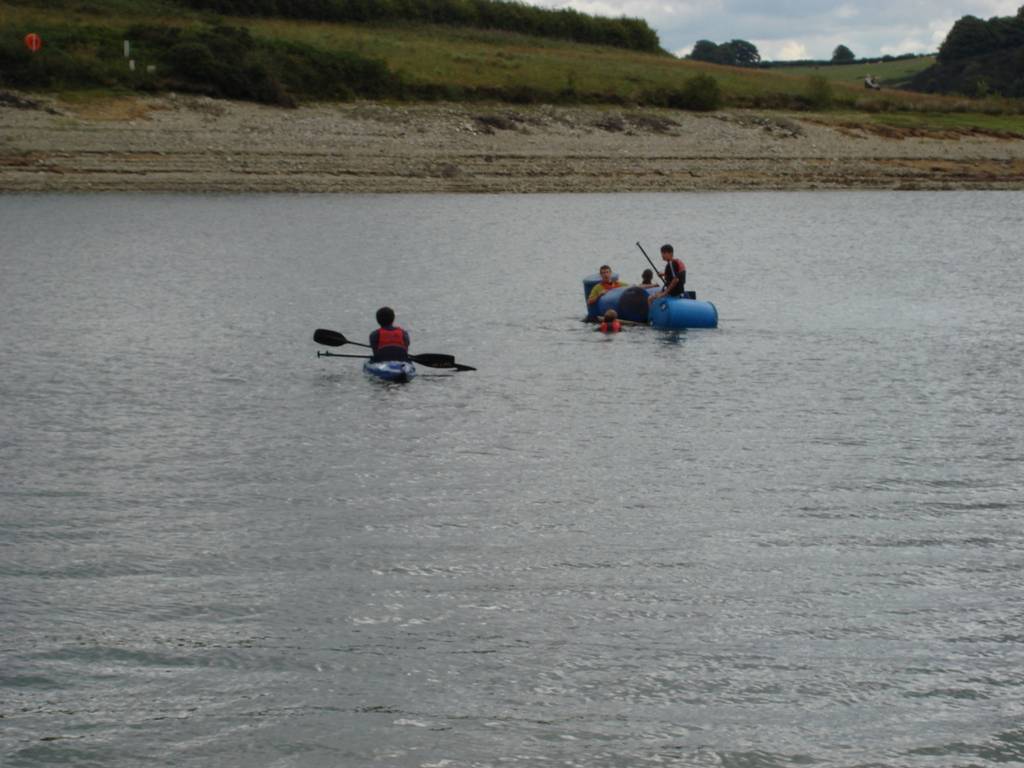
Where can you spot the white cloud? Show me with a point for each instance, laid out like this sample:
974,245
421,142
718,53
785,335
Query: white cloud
908,45
846,11
937,31
784,50
996,8
643,9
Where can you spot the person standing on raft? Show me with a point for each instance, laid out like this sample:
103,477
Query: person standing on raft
606,284
674,275
389,342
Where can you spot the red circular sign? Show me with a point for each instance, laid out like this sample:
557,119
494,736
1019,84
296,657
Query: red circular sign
33,42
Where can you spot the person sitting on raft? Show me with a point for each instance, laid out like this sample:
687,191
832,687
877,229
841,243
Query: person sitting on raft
674,274
610,322
647,279
606,284
389,342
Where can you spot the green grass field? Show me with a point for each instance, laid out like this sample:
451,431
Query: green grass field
470,61
885,72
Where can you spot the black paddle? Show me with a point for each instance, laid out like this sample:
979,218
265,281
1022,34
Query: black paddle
429,359
663,282
333,338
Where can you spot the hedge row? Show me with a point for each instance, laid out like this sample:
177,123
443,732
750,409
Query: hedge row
563,24
220,61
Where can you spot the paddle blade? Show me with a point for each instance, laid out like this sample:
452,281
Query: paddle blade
434,360
437,360
335,354
329,338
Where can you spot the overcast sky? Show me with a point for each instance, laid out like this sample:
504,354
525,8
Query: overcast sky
799,29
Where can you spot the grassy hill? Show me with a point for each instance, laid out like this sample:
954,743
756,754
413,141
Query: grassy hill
288,61
892,74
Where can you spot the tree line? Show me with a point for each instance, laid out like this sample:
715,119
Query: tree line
971,36
735,53
742,53
979,58
504,15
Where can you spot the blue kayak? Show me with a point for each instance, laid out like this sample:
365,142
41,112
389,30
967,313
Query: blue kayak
391,370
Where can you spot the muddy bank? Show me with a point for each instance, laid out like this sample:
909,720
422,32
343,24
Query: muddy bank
179,143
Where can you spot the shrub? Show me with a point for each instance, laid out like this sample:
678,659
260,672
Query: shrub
334,75
241,77
194,62
699,94
16,63
818,92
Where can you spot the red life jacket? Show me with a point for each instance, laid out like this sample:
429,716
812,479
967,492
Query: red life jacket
390,344
613,327
391,337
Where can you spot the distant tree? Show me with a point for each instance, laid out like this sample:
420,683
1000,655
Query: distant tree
739,53
705,50
968,37
1008,32
979,58
736,53
842,55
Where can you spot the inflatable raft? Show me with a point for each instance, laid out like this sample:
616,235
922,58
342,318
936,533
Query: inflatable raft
668,313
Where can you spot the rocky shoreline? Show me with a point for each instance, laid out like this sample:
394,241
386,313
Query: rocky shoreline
195,144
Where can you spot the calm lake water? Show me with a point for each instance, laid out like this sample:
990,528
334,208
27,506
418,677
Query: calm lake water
792,540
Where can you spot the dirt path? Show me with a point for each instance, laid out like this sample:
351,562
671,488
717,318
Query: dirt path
179,143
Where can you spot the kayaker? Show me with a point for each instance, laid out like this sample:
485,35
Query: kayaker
674,274
389,342
647,279
610,322
606,284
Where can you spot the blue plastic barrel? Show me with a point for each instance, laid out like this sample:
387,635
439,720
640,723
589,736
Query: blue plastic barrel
630,303
672,314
